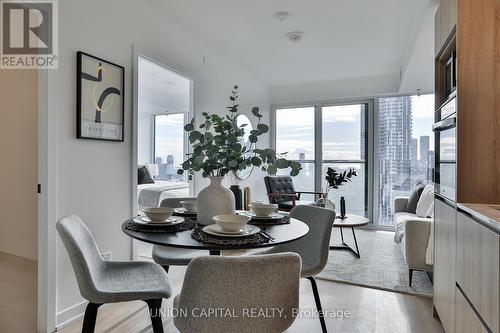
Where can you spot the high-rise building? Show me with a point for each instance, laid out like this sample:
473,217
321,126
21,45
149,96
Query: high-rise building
395,142
424,148
171,173
414,150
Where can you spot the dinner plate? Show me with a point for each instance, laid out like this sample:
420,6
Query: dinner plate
170,221
273,216
214,229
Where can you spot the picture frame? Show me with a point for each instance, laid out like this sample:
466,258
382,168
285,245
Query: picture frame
100,99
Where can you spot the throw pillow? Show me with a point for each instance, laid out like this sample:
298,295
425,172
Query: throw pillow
425,201
411,205
430,212
143,176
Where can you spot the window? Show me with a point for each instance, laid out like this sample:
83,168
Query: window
295,137
343,145
169,145
405,152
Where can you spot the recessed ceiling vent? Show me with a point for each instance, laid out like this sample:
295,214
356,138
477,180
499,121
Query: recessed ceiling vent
281,16
295,36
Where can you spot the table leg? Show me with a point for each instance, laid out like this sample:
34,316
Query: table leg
345,246
214,252
355,242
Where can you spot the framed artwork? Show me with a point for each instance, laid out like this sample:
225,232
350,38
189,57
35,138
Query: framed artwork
100,99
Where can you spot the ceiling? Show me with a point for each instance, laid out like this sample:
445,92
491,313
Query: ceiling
343,38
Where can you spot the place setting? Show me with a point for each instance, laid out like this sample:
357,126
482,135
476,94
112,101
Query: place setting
159,219
261,213
231,229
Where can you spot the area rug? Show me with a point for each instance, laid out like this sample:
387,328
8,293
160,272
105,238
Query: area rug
381,265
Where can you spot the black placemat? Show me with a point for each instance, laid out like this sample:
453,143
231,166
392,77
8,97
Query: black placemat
204,237
260,221
187,224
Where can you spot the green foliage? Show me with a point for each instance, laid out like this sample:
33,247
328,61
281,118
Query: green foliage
335,179
217,149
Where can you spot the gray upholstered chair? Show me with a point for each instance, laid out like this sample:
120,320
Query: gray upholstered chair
239,284
102,281
168,256
313,248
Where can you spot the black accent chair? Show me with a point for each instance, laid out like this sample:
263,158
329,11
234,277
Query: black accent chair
280,190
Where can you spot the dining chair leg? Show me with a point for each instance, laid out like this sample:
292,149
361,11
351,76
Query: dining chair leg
318,303
90,317
155,313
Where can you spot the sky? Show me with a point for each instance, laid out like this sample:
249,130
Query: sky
169,138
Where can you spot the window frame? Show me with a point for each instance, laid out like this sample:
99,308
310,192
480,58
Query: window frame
318,138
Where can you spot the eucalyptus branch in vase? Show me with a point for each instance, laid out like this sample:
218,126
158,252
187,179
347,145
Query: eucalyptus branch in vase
336,179
217,149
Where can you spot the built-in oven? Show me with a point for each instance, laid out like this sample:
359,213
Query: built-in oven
446,150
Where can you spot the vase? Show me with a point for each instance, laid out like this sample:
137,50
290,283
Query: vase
214,199
342,208
238,196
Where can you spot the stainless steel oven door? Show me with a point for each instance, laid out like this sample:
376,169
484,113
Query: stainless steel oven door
446,159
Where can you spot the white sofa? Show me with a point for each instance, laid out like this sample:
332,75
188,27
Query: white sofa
412,233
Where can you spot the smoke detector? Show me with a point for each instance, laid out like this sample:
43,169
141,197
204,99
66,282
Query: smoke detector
295,36
281,16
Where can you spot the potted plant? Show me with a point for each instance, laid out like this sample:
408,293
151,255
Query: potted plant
334,180
217,152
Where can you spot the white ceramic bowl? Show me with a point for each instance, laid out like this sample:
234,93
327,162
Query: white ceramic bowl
189,205
231,222
262,209
158,215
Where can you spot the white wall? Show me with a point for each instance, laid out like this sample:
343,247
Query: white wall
336,89
18,145
94,178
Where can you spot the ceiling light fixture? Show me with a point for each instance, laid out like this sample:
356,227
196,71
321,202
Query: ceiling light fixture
295,36
281,16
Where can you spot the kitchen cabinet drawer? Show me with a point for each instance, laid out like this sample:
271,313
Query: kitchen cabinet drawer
478,268
444,263
466,319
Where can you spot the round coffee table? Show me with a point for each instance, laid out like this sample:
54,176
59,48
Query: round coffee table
351,221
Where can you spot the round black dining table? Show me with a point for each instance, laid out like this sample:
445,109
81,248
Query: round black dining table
281,234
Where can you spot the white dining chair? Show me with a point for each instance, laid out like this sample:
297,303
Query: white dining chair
102,281
238,285
167,256
313,248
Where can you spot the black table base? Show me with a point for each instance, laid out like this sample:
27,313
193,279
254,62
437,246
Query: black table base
214,252
345,246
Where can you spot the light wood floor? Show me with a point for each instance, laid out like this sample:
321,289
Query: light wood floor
371,311
18,278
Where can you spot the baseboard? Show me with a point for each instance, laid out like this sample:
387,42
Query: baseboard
14,257
70,315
